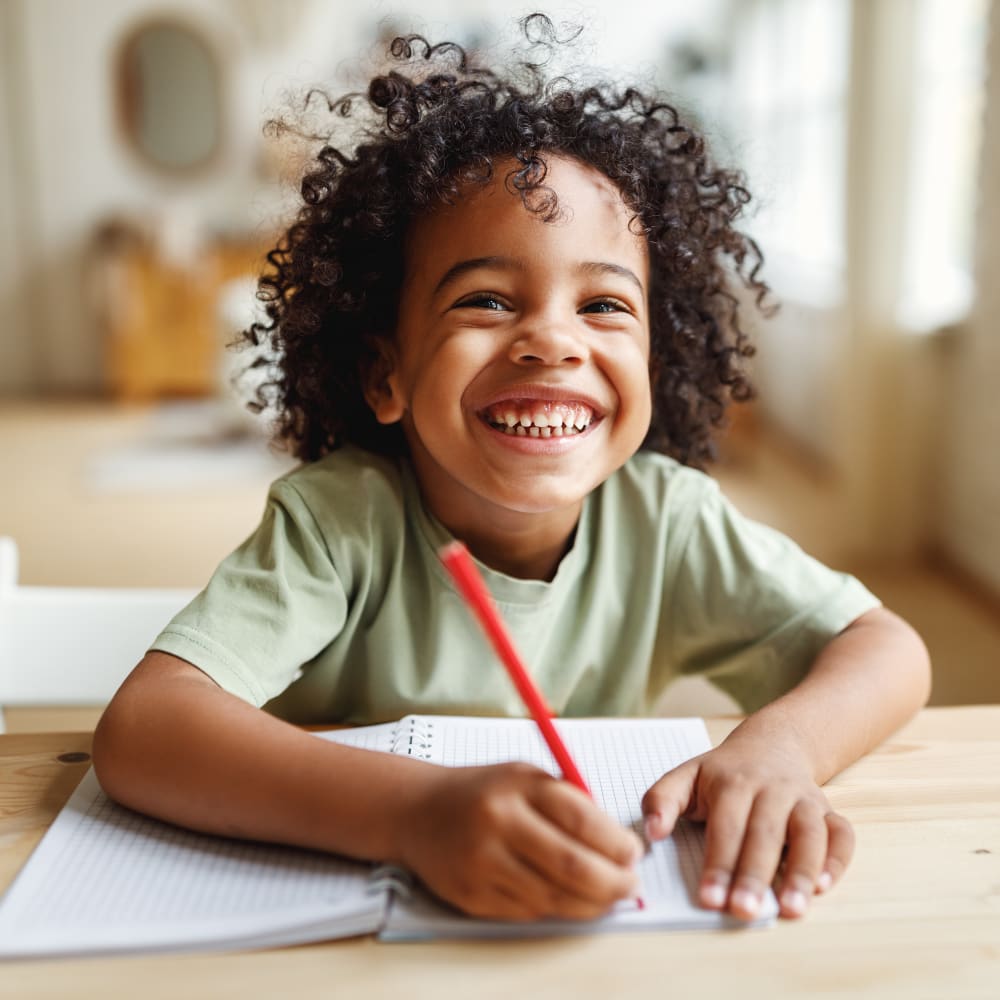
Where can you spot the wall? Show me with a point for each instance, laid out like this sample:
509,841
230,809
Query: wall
969,530
63,168
17,368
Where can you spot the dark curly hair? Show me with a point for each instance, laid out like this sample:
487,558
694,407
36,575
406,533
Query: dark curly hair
428,126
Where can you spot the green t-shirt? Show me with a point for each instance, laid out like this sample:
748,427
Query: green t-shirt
337,609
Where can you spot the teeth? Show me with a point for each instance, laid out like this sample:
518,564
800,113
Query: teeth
540,419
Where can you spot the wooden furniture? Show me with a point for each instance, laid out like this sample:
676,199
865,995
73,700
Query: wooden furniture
918,915
163,333
73,645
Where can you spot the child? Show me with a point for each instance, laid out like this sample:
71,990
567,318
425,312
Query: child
507,317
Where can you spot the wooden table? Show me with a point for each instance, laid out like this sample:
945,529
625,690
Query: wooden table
918,915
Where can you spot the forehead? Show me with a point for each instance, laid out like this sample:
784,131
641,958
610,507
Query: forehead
591,216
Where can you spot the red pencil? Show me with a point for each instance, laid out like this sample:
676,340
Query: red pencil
459,563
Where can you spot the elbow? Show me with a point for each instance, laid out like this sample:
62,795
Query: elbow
110,751
915,657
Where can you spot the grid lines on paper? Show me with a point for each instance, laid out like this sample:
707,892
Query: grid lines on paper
140,870
619,759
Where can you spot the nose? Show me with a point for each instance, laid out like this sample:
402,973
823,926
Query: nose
547,340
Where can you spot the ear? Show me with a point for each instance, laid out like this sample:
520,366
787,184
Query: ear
381,382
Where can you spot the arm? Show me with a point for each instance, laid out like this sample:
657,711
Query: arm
759,790
506,841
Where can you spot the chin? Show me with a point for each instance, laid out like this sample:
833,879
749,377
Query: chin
539,503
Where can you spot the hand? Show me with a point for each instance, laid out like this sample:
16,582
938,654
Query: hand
757,800
511,842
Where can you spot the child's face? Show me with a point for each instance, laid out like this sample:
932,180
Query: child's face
507,321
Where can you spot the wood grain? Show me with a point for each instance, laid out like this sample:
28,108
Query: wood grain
918,915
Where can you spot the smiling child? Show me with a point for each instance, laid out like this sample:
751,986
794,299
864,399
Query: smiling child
507,316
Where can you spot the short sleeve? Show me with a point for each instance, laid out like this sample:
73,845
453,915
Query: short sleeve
748,609
269,608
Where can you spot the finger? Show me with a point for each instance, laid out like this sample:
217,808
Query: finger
568,863
576,815
724,835
518,892
766,830
807,850
544,897
667,799
508,888
839,851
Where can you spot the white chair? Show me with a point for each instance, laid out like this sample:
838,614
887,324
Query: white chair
73,645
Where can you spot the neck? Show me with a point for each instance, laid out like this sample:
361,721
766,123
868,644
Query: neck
526,554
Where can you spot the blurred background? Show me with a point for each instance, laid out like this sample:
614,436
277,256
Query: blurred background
138,192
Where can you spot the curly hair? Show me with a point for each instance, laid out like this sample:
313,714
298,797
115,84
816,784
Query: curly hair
332,287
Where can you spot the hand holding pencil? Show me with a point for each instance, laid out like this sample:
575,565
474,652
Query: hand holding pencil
508,842
459,564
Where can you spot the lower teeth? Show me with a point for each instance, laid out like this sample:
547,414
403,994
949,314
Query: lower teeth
518,430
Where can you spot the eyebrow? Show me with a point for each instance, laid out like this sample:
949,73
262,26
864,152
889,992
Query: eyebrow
514,263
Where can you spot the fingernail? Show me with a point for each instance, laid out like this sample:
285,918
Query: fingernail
824,881
744,900
794,902
713,895
652,825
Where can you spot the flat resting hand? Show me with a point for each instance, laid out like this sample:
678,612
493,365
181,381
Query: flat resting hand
511,842
758,802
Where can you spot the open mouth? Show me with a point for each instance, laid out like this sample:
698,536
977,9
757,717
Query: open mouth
522,418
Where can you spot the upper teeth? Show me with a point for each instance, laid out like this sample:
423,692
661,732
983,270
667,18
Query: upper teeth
541,419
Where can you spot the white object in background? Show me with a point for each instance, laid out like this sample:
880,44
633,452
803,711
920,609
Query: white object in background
73,645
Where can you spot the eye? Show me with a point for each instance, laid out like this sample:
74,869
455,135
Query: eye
481,300
604,306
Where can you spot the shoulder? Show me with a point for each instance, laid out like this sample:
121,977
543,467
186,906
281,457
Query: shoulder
651,478
349,472
350,492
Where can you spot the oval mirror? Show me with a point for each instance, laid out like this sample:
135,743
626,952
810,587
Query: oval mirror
169,96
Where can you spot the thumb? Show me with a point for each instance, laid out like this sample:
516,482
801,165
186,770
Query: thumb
668,799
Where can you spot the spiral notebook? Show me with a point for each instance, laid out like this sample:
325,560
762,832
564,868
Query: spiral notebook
107,880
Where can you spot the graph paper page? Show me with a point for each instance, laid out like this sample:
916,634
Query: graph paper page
106,879
619,759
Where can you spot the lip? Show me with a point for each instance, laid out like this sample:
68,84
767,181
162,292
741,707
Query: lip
538,446
539,392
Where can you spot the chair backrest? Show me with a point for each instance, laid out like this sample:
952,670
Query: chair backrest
73,645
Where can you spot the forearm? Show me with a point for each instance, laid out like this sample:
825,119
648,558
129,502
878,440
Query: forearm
864,684
175,745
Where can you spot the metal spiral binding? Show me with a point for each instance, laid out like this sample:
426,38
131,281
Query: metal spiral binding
390,878
413,737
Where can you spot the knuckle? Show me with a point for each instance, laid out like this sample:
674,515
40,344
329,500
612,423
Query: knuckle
522,769
733,784
489,812
570,865
837,822
800,876
767,828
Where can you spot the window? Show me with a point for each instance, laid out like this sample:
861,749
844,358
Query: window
945,136
788,124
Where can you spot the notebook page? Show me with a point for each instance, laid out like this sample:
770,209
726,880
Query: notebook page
619,759
106,879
